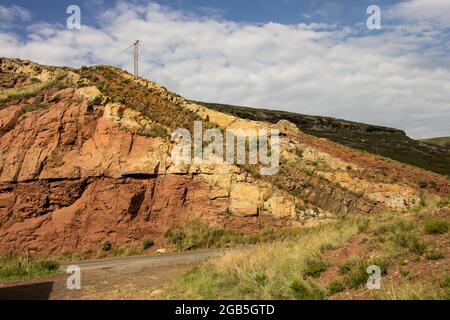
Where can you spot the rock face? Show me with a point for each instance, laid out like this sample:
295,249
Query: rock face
85,158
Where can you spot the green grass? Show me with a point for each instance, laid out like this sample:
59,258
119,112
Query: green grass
336,286
401,233
436,226
435,255
306,290
14,267
355,270
314,267
440,141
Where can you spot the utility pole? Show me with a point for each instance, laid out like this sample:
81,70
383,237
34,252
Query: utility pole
136,57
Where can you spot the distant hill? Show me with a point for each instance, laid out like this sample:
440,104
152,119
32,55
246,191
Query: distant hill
441,141
387,142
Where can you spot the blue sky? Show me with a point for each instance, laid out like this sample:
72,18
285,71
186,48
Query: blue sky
256,11
310,56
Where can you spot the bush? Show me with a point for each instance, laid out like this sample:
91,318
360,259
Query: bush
410,240
348,265
423,184
314,267
335,287
155,131
363,225
435,255
32,107
119,99
418,246
96,102
303,290
147,244
436,226
445,283
355,270
444,202
106,246
328,247
357,276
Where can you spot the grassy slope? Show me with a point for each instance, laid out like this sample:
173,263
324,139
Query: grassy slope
383,141
441,141
329,261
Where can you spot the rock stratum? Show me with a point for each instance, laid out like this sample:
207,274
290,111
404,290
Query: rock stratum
85,158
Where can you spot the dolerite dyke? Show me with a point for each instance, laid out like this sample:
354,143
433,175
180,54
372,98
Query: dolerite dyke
82,163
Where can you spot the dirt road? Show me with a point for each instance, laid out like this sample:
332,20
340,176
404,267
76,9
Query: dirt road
142,277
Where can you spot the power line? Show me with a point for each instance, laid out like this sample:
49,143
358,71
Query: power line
119,54
137,48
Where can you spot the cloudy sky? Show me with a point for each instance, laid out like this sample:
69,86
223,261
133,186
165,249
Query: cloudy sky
306,56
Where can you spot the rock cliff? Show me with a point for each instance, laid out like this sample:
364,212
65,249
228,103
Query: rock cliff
85,157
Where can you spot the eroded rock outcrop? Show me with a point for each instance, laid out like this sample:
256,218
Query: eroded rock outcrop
85,158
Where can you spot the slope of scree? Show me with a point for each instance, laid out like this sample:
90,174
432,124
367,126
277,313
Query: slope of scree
85,160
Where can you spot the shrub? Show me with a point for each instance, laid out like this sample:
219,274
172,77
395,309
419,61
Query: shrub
155,131
32,107
436,226
119,99
303,290
444,202
410,241
418,246
261,279
423,184
314,267
335,287
404,272
328,247
357,276
106,246
363,225
445,283
347,265
96,102
147,244
355,270
435,255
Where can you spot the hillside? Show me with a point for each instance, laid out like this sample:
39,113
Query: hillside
383,141
85,165
441,141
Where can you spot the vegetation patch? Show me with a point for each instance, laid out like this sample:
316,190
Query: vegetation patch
336,286
283,269
14,267
436,226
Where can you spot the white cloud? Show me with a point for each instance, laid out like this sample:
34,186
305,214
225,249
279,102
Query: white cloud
11,14
437,11
398,78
